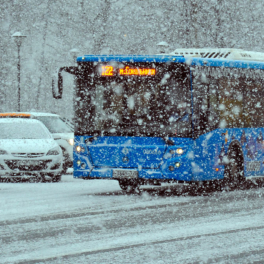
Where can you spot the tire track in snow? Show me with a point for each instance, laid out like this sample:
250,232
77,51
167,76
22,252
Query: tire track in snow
136,245
86,212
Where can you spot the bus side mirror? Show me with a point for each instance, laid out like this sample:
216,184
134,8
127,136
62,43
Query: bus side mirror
57,95
72,70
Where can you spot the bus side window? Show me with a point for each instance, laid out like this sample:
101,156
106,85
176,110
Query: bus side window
199,102
259,102
230,102
205,93
213,111
253,102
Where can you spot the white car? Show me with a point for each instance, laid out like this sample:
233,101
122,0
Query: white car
61,130
28,151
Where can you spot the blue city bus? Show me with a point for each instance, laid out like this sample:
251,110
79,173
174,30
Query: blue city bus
149,119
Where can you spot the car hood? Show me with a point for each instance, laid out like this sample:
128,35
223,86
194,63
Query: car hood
63,135
27,145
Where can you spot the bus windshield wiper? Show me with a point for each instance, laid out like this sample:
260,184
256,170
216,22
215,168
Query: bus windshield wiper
180,117
168,141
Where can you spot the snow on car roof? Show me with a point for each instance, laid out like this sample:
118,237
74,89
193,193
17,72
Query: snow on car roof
19,120
40,114
26,114
14,115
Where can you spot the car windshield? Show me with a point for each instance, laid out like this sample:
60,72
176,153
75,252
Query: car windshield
55,124
23,131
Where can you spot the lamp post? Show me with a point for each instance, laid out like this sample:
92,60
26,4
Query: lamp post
18,37
163,46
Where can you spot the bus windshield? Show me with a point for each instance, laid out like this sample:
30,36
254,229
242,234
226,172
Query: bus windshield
135,105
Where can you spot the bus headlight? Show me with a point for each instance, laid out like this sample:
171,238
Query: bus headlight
78,149
177,164
179,151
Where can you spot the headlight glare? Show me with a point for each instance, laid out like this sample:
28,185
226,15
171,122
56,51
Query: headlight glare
177,164
179,151
80,149
71,141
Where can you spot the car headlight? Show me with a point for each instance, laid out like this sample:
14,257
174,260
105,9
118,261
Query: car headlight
3,152
54,151
71,141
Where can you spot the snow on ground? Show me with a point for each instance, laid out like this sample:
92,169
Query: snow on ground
19,200
78,221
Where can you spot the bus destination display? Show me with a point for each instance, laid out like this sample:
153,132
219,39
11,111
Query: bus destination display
107,70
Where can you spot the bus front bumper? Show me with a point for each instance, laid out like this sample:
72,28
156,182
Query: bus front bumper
148,174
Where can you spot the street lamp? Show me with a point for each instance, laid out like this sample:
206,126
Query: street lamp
18,37
163,46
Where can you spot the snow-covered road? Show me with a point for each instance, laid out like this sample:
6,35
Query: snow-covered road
78,221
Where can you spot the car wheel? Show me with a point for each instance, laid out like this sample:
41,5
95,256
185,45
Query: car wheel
38,178
15,179
234,170
5,180
32,179
56,178
66,158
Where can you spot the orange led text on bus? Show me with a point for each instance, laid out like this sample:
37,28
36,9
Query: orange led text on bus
107,70
137,71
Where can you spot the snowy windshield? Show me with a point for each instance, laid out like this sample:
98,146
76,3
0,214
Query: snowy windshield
136,105
55,124
23,131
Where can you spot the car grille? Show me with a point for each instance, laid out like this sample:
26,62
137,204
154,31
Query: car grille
28,155
25,165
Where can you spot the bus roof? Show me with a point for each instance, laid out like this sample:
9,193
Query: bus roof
223,53
193,61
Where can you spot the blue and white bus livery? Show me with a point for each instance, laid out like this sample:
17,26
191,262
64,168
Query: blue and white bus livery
178,117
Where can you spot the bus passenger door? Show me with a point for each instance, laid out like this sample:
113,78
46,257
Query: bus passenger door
205,103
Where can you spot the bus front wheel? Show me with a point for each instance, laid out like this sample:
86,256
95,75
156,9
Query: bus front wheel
234,171
129,185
